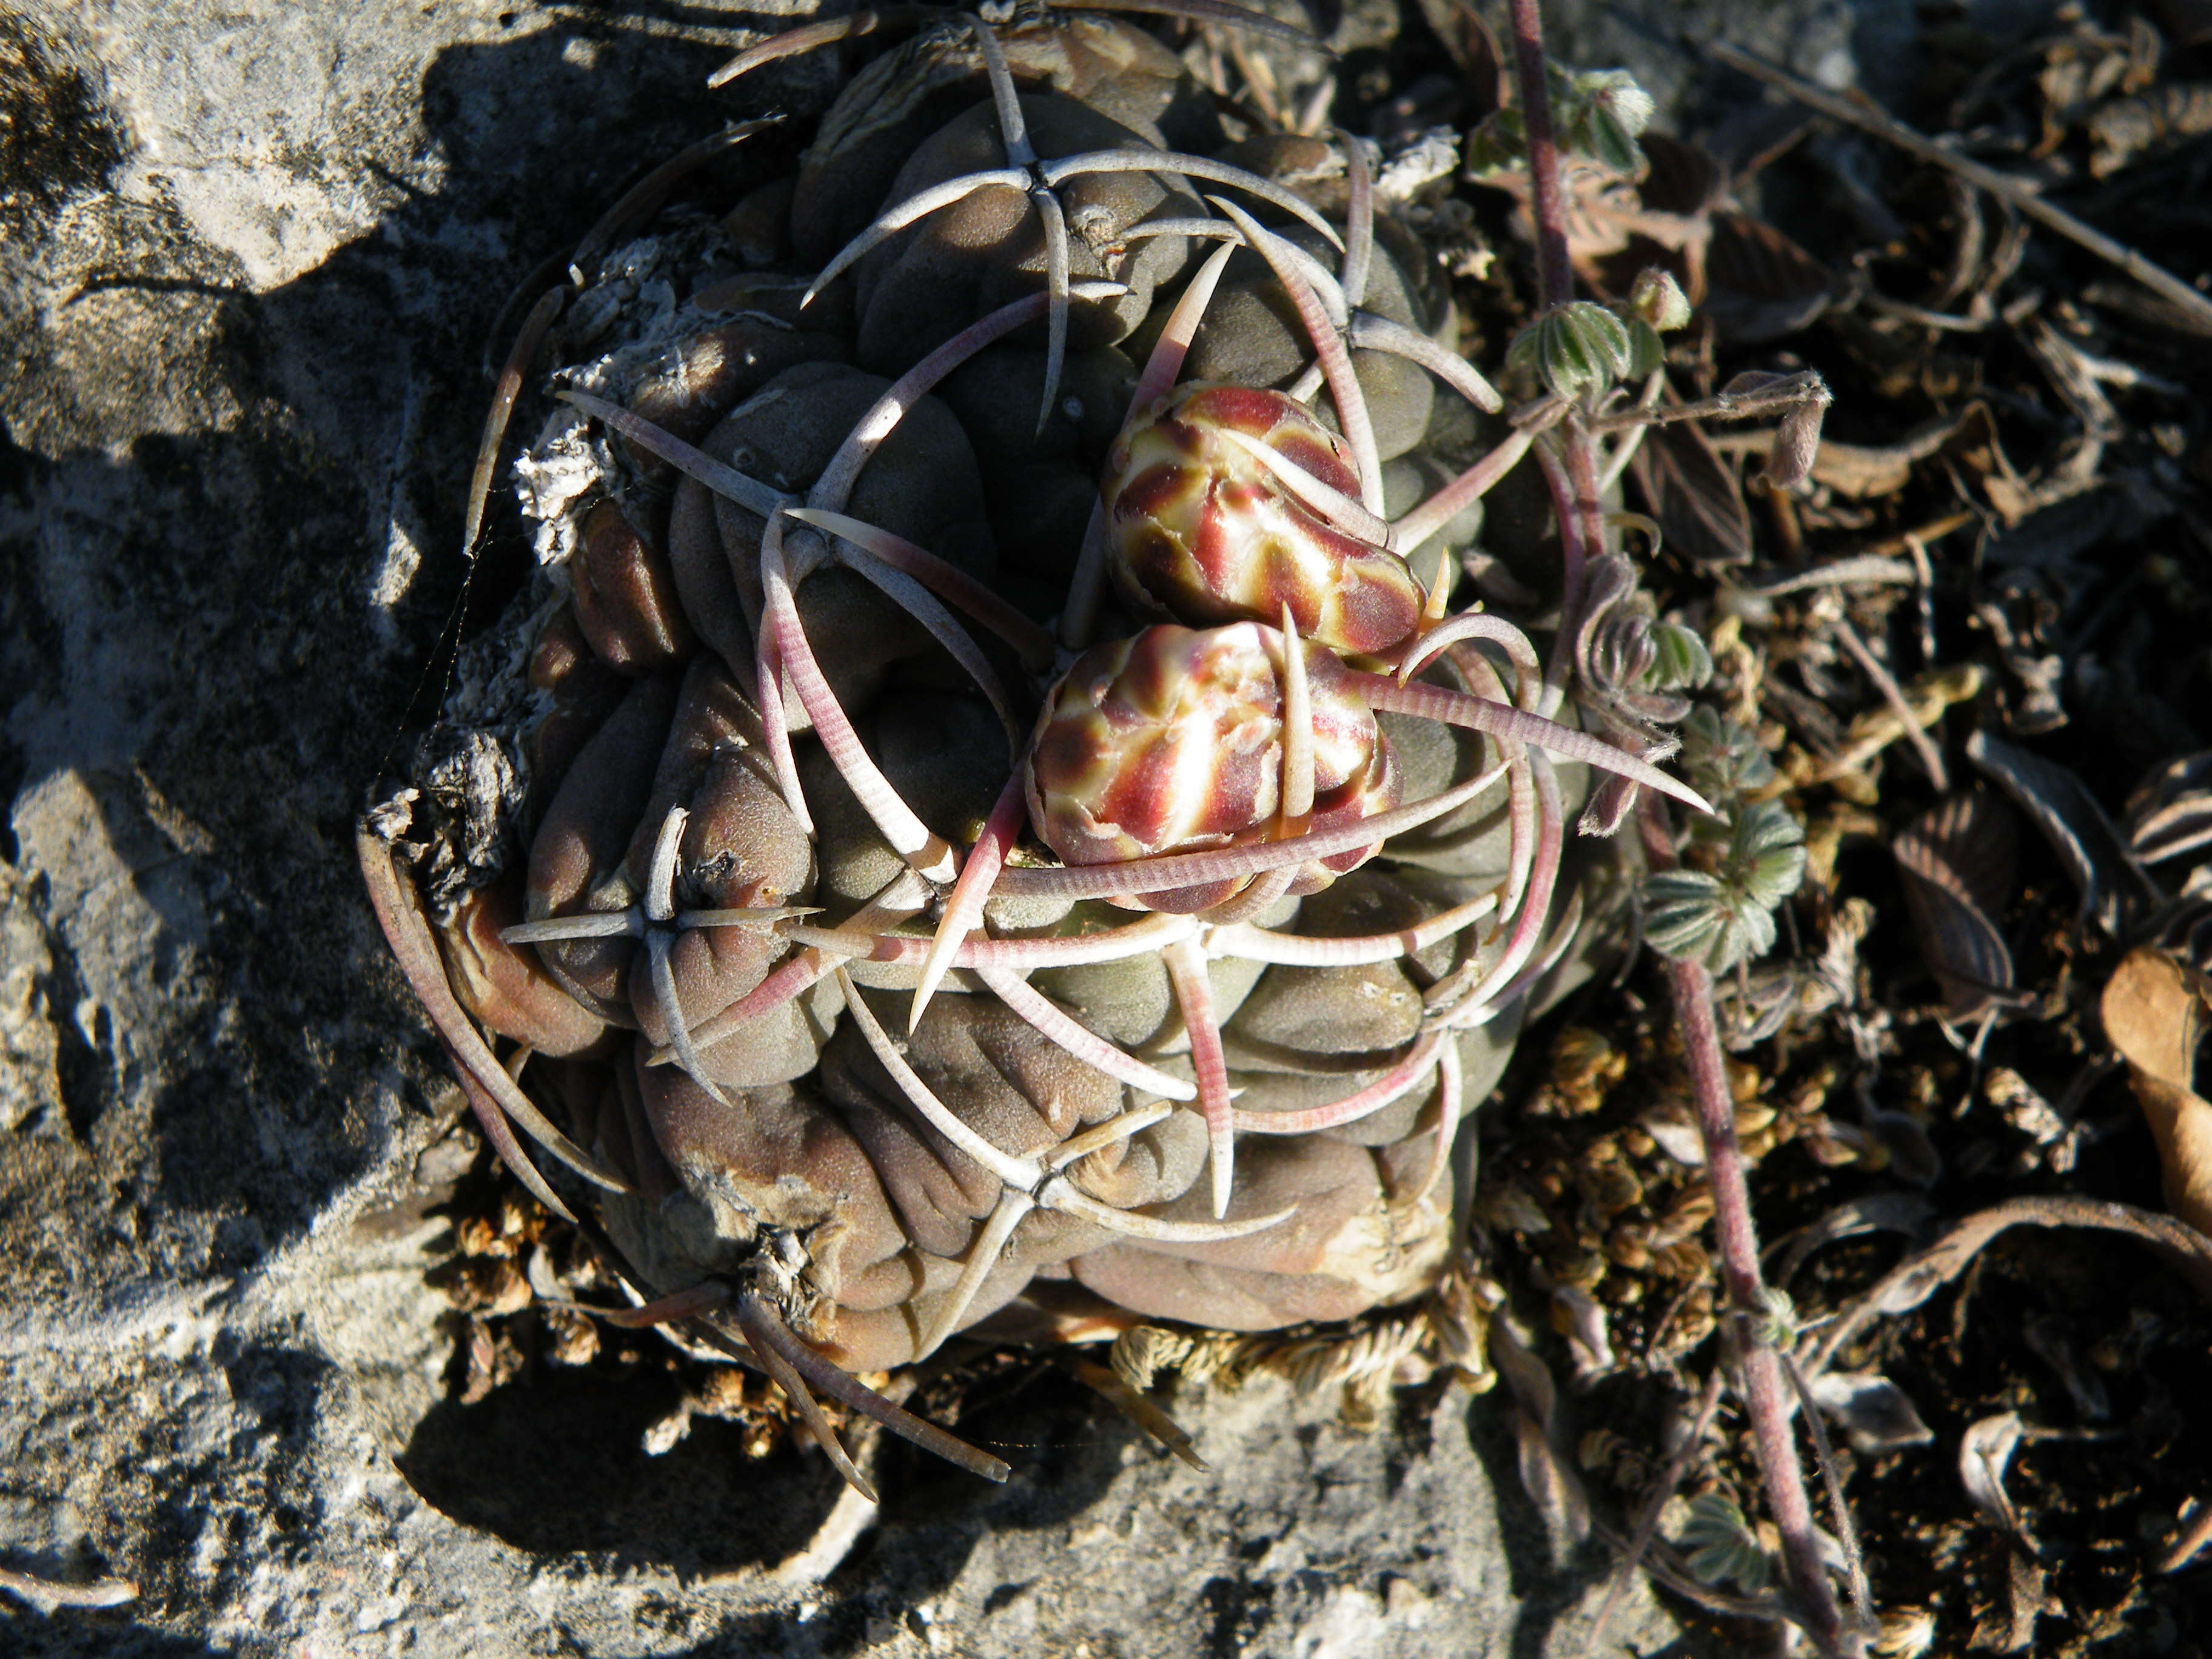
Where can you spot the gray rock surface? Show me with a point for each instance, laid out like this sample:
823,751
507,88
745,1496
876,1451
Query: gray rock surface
1837,43
249,257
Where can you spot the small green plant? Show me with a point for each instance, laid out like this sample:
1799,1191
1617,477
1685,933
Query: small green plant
1599,115
1724,913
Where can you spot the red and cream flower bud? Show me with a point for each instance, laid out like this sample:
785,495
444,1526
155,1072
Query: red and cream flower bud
1172,742
1200,529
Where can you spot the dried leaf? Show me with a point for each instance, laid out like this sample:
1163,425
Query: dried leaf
2154,1011
1577,1315
2029,1597
1680,1141
2171,812
1760,285
1694,494
1680,179
1957,860
2128,129
2060,806
1874,1411
2187,930
1869,569
1927,697
1892,1212
2074,378
1547,1473
1864,472
1796,446
2057,1141
1984,1454
1918,1276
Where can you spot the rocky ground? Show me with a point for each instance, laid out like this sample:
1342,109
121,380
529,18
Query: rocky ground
249,261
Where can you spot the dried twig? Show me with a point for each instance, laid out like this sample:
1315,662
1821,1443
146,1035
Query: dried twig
2194,1537
1919,1276
2019,193
1931,757
1832,1477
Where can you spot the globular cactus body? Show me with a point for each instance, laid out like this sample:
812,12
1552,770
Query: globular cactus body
767,874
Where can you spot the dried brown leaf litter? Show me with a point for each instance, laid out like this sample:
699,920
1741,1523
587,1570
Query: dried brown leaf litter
2154,1012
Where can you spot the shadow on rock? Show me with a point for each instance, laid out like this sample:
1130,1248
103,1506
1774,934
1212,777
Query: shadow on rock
72,1635
228,533
1550,1577
227,558
559,1466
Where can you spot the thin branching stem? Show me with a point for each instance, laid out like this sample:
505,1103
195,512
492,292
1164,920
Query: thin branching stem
1759,1367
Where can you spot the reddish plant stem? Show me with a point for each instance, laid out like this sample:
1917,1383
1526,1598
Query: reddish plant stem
1549,207
1571,474
1574,497
1759,1367
1581,453
1560,670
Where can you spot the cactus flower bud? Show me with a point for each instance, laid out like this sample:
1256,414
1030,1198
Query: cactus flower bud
1202,530
1172,742
1658,299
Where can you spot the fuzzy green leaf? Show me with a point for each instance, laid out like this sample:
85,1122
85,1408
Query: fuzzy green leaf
1693,917
1681,661
1647,352
1768,858
1574,349
1721,758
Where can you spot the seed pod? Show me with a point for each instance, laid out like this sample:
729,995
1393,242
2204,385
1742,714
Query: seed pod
1796,444
1658,299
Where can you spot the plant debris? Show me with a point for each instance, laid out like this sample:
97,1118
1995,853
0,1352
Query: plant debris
1970,652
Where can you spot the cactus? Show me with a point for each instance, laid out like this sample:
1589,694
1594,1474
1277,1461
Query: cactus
964,831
